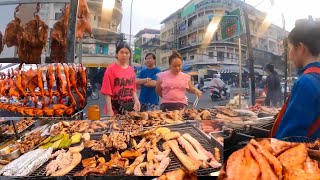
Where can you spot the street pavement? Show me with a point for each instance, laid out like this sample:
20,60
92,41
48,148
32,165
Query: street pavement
204,102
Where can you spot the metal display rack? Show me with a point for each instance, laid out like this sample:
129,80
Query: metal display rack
71,30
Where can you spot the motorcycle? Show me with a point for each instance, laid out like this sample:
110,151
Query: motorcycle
215,93
201,88
92,92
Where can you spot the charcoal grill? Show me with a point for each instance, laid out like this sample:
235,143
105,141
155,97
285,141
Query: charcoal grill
174,164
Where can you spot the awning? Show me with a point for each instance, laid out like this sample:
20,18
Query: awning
193,73
230,69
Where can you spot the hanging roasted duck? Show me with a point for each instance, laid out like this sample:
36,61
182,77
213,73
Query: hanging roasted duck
40,85
82,79
34,40
66,73
30,82
60,85
73,76
59,38
50,82
14,32
20,87
14,91
83,22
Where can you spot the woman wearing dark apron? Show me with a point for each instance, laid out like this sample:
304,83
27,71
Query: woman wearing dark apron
173,84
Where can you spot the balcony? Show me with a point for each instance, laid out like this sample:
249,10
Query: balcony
197,24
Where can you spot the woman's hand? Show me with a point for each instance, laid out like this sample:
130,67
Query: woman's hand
137,106
198,93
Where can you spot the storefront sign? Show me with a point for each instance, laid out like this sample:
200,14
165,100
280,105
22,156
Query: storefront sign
230,25
137,55
206,2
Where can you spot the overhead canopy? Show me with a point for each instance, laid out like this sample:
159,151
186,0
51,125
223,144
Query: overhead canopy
259,71
230,69
193,73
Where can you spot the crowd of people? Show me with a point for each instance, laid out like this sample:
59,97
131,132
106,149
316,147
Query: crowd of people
300,115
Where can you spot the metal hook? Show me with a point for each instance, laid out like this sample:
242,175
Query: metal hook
37,9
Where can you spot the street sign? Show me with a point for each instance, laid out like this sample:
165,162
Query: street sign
231,24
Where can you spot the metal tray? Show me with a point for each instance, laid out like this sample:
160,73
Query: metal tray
22,131
105,130
215,135
7,115
174,164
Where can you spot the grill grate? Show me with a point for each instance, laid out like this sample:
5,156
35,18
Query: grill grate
174,163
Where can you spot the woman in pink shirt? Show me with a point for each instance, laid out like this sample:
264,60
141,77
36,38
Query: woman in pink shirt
119,84
173,84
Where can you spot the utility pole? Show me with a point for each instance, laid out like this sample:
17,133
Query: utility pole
131,58
250,54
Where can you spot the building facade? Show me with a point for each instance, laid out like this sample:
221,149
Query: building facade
186,28
96,52
146,40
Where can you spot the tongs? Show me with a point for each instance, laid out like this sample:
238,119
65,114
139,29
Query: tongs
196,102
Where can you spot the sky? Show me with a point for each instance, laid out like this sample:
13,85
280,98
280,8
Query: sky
149,13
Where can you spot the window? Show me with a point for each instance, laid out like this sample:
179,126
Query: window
192,57
211,54
220,56
57,16
95,18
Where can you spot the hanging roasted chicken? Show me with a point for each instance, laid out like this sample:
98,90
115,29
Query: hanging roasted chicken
59,38
14,32
34,40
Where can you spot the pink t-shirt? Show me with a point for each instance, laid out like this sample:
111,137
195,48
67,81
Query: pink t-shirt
119,83
174,87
